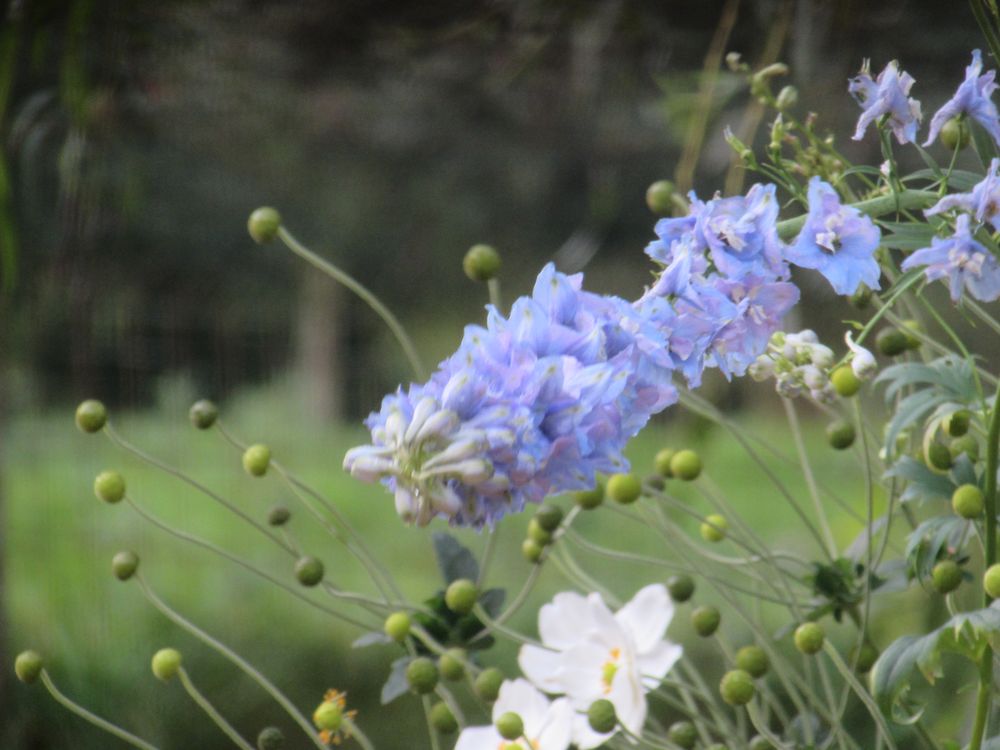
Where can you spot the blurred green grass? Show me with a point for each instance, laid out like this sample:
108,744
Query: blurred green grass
98,634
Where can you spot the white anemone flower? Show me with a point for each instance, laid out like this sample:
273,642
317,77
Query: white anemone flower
547,724
591,653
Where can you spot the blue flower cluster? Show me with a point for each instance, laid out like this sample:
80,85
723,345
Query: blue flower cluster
540,401
887,96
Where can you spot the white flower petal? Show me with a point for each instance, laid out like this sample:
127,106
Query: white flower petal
584,737
424,409
524,699
629,700
647,616
479,738
582,673
654,664
542,667
565,620
557,730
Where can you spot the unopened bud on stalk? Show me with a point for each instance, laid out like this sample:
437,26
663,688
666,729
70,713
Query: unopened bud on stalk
109,486
601,716
510,726
481,263
659,197
309,570
787,98
263,224
256,459
270,738
203,414
28,666
124,564
166,663
91,416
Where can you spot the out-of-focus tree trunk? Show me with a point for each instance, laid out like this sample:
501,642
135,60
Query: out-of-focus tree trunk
318,364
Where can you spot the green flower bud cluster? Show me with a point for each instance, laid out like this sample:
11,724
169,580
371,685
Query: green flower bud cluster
540,531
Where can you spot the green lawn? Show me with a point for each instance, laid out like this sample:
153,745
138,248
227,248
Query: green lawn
98,634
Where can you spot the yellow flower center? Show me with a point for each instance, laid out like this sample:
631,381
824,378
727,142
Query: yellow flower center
610,669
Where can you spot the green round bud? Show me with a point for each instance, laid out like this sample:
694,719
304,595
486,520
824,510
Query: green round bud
537,534
705,620
991,581
263,224
862,297
863,658
660,197
759,742
938,457
624,488
966,444
279,515
531,550
892,342
461,596
946,576
166,663
452,664
681,587
686,465
28,666
590,499
956,424
968,501
256,459
844,381
487,684
683,734
510,726
661,462
481,263
601,716
270,738
328,716
397,626
736,687
109,486
422,675
840,435
442,719
309,570
124,564
549,517
91,416
809,637
753,661
955,134
714,528
911,328
203,414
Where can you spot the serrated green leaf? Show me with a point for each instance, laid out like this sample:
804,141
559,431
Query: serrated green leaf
911,410
454,560
966,634
922,483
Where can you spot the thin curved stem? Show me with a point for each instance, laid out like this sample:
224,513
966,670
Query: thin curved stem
232,656
366,296
93,718
807,472
211,711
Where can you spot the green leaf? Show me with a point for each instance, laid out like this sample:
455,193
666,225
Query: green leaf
454,560
907,236
929,540
492,600
959,179
396,685
922,483
983,143
911,410
966,634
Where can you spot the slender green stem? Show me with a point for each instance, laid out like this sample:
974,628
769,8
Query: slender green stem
370,299
211,711
807,472
235,658
93,718
496,299
232,508
351,730
205,544
983,700
883,204
859,690
488,550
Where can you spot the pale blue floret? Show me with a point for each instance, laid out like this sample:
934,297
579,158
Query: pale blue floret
963,261
983,202
887,95
972,98
838,241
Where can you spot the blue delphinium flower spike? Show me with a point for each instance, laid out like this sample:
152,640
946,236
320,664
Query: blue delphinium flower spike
886,95
971,98
963,261
838,241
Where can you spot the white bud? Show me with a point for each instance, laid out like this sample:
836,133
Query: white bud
822,356
761,368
